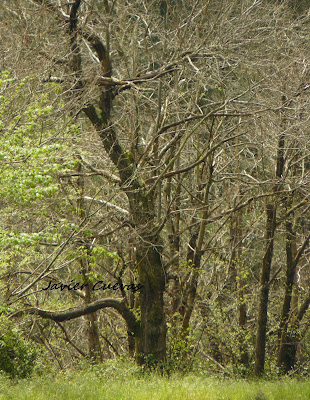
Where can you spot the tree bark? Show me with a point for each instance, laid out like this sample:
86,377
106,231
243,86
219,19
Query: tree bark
260,346
151,337
94,348
290,338
151,341
61,316
237,265
195,253
284,356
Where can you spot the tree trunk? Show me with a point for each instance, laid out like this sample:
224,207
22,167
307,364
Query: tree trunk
94,347
290,338
151,339
236,262
284,356
195,253
151,342
260,347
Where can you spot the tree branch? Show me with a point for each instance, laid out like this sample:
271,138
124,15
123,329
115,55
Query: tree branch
106,203
303,309
60,316
99,48
106,174
193,165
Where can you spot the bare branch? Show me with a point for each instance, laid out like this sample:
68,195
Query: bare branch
106,203
60,316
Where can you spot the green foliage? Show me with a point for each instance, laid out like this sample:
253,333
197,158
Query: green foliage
101,252
17,358
32,154
28,154
181,349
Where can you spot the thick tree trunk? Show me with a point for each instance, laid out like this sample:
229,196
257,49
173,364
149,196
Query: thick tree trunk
151,341
151,338
150,333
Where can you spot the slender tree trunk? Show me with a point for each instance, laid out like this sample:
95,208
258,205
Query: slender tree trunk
285,356
238,273
94,347
240,283
260,346
195,254
291,337
133,303
191,293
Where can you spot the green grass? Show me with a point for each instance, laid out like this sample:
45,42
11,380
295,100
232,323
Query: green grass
110,382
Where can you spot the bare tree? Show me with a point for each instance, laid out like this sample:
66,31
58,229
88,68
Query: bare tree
179,115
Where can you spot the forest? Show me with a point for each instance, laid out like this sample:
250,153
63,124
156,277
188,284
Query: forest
154,190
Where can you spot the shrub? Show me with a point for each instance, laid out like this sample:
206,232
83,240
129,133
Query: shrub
17,358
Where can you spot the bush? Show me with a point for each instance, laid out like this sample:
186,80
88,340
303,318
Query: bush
17,358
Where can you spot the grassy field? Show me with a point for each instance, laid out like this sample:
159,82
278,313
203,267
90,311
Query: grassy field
111,383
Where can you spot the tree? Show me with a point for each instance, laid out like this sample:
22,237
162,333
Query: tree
177,122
